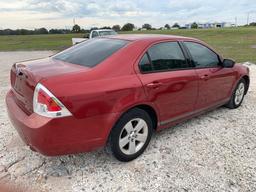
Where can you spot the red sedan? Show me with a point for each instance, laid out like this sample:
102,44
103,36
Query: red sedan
117,90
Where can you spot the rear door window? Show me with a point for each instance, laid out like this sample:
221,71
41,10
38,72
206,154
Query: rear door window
163,57
145,65
92,52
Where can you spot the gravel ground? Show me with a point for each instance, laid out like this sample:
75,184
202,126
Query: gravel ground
213,152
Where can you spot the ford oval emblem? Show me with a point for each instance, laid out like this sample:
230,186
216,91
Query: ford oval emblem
19,72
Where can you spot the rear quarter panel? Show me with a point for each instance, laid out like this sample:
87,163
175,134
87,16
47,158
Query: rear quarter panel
110,87
108,98
90,98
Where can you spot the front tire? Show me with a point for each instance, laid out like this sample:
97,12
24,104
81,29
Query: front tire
131,135
238,95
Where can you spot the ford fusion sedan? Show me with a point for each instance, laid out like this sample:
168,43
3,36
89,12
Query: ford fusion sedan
115,91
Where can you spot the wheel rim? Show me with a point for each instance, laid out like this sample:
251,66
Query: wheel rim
239,94
133,136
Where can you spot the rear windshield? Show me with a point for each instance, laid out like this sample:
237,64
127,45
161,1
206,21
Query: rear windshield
104,33
92,52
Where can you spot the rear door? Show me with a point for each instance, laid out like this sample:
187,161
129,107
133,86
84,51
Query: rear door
169,80
215,82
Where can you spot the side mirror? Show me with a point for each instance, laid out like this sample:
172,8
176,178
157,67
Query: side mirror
228,63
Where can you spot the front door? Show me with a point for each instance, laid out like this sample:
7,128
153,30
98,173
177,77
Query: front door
215,82
169,81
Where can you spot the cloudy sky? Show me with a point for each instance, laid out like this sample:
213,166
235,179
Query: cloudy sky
87,13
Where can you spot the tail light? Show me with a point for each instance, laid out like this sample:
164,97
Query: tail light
46,104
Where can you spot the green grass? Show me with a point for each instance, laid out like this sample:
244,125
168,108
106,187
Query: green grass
36,42
233,43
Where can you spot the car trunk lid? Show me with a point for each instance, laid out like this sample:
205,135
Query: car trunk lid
26,75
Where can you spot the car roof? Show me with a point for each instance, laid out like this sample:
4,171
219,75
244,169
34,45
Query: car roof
148,37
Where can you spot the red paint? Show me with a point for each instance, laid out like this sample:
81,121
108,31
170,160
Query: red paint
98,96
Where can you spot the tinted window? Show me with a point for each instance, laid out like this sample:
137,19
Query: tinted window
104,33
202,56
91,52
145,64
167,56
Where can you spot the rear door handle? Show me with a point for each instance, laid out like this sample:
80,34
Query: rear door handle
205,77
154,84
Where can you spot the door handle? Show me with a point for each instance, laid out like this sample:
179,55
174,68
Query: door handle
154,84
205,77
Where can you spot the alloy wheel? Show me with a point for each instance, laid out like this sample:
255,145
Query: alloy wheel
133,136
239,94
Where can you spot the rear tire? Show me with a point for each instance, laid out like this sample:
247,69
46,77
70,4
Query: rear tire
131,135
238,95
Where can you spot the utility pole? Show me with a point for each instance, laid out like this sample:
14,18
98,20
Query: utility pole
236,21
248,18
74,21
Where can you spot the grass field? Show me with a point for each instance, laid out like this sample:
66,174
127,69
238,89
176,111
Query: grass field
236,43
36,42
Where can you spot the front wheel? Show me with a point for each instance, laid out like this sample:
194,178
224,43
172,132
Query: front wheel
238,95
131,135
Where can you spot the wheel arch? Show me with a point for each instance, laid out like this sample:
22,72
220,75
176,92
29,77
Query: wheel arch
147,107
151,112
247,80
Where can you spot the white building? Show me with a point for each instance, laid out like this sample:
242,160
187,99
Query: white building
211,25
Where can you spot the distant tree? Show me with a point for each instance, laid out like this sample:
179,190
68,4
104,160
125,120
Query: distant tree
9,32
128,27
76,28
94,28
105,27
252,24
85,31
167,26
18,32
147,26
55,31
59,31
33,32
24,32
194,25
116,28
41,31
176,25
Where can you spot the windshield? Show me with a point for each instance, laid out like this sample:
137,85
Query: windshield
92,52
105,33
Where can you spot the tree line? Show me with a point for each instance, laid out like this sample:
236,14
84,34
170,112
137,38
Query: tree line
129,27
35,31
77,29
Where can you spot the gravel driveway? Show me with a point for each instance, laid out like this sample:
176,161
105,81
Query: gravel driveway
213,152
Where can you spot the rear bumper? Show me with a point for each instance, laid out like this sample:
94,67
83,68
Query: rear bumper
59,136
